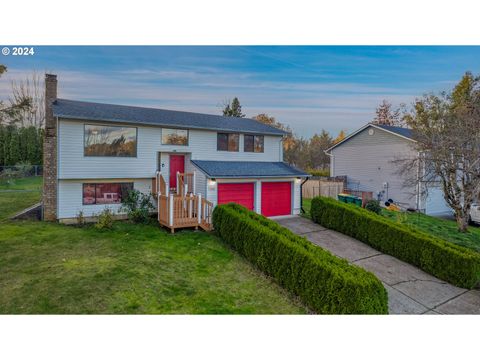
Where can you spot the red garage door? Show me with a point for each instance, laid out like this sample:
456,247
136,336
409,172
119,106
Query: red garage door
276,198
238,193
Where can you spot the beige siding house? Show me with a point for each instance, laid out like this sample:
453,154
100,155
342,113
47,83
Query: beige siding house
367,158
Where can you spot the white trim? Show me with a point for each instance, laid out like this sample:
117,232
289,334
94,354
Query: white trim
360,130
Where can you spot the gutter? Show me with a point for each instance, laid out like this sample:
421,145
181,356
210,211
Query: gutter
302,210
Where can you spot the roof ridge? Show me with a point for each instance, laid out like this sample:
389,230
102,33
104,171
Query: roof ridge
94,111
157,108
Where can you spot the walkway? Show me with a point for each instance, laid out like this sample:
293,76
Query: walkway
410,290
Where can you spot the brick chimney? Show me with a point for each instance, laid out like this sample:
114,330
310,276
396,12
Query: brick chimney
50,151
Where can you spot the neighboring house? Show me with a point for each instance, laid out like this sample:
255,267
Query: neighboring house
367,158
95,153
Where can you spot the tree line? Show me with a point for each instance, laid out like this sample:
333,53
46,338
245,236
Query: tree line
21,123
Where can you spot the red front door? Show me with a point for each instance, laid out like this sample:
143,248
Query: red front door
177,164
276,198
240,193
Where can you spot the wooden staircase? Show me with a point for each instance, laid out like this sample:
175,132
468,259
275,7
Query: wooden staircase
183,208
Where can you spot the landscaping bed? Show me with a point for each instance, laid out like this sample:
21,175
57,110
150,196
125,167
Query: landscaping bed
325,283
455,264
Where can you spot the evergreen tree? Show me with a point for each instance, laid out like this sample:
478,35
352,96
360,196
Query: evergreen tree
233,108
317,146
341,135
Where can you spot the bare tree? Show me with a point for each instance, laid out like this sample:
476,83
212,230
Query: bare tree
447,133
385,115
30,88
9,114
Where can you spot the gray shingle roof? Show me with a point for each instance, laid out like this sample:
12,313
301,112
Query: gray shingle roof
237,169
82,110
398,130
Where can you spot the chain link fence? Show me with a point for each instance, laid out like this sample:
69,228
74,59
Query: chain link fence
20,171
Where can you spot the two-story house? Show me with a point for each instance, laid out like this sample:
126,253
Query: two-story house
95,153
368,156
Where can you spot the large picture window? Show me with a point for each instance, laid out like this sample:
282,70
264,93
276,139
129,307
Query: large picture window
110,141
227,142
253,143
105,193
174,137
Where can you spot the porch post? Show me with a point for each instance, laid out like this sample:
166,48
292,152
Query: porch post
178,182
194,177
170,213
190,206
199,208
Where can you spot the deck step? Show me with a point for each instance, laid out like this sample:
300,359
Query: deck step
206,226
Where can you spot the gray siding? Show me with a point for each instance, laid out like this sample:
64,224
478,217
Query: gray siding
367,161
200,178
202,146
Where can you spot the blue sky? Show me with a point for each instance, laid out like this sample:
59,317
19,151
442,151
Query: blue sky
306,87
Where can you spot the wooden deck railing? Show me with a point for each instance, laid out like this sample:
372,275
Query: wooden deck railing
184,211
206,213
185,183
159,185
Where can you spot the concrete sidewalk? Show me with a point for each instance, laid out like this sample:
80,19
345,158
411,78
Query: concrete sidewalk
410,290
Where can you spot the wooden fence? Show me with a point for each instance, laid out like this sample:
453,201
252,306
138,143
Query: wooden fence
315,187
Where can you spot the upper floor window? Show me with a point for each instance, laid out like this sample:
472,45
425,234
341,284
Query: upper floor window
105,193
253,143
227,142
174,137
100,140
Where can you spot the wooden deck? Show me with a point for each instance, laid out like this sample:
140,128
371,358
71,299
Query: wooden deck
182,209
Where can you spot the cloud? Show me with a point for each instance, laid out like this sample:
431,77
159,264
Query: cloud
306,106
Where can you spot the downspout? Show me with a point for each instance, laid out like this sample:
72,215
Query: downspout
302,210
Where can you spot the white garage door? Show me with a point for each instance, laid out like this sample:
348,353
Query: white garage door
436,205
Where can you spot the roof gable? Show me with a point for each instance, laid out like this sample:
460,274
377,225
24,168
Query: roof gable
82,110
404,133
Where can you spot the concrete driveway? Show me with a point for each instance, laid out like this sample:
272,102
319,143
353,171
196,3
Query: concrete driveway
410,290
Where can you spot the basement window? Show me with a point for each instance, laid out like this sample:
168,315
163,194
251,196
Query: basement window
105,193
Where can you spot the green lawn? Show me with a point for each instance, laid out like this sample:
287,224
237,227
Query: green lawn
307,203
29,183
442,228
18,195
48,268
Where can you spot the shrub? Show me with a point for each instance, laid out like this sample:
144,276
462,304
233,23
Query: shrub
325,283
319,172
9,175
373,206
105,219
24,168
455,264
138,206
80,218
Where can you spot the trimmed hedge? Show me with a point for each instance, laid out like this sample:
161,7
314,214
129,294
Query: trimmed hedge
455,264
325,283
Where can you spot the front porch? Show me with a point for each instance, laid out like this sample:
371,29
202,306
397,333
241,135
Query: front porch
181,207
